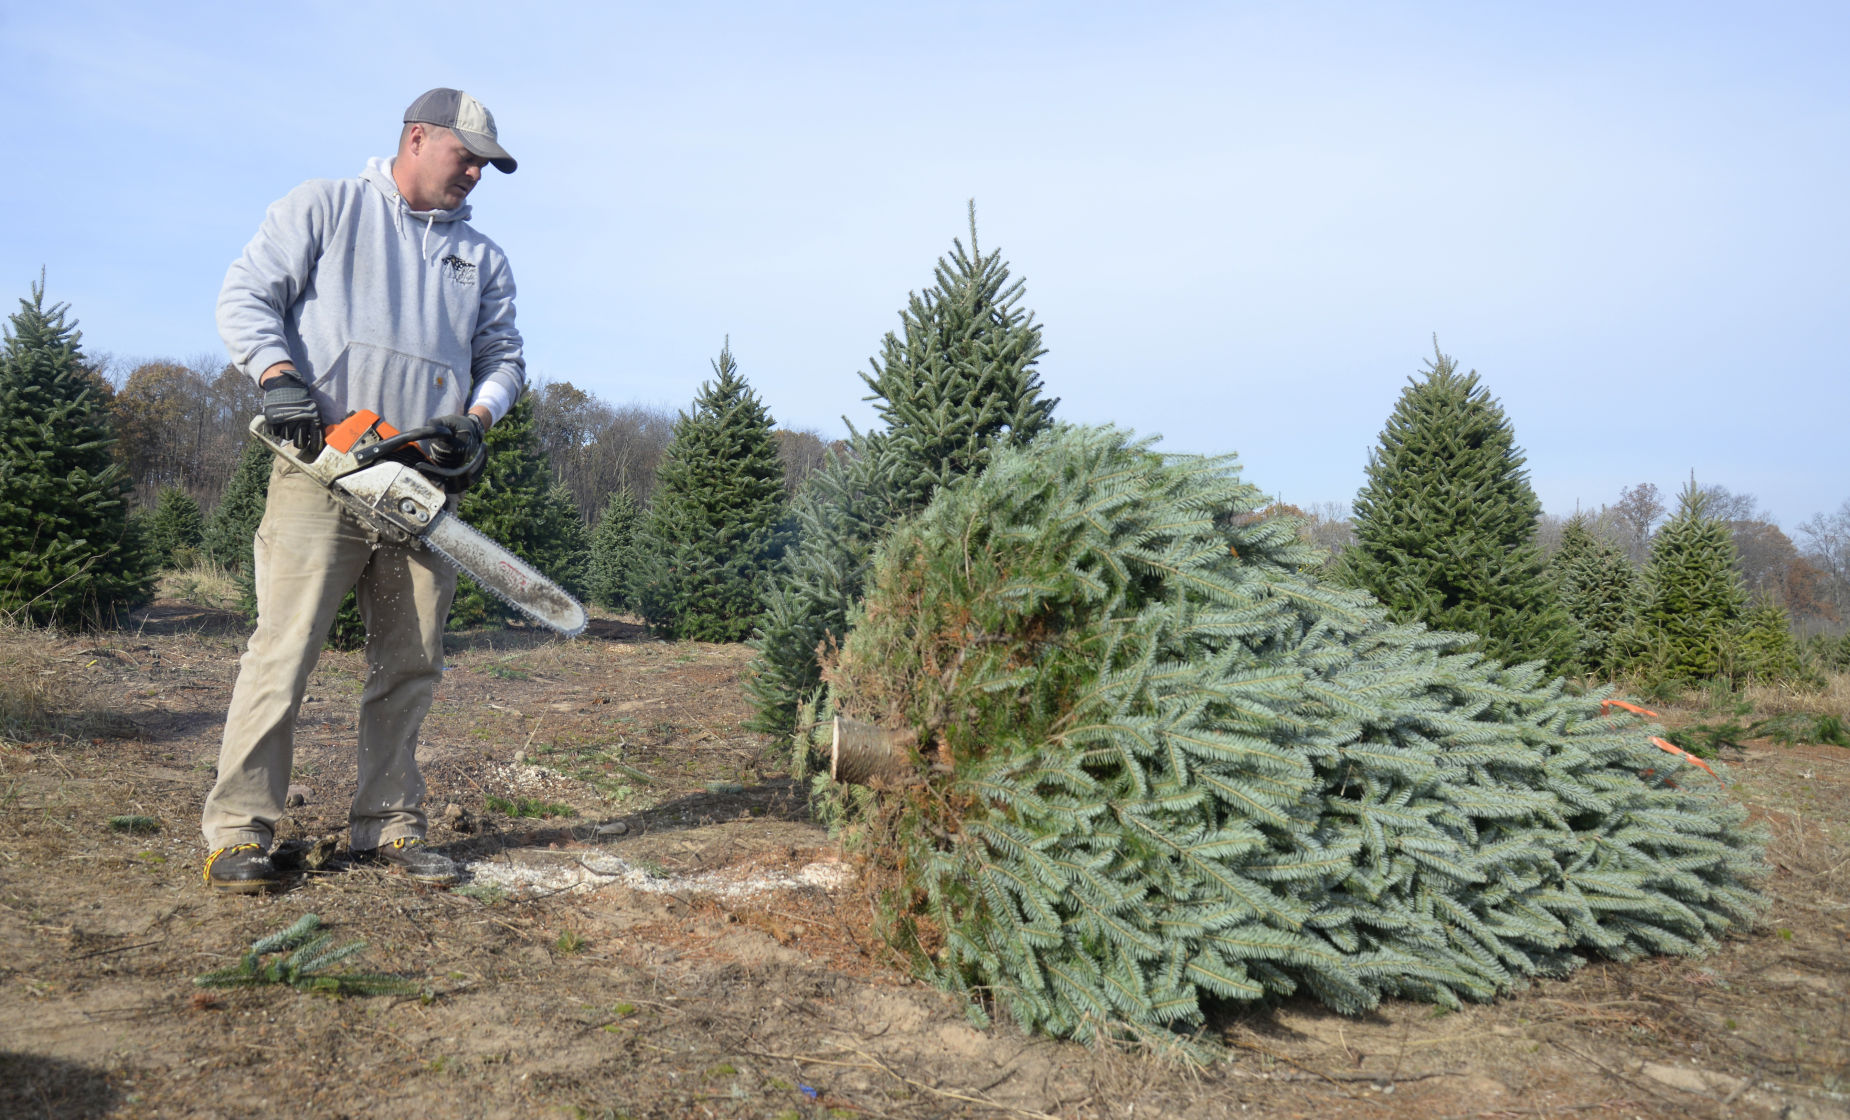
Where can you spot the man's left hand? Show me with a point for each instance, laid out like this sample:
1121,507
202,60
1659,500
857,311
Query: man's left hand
462,448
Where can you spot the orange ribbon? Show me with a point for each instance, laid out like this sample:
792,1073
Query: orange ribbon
1633,708
1666,745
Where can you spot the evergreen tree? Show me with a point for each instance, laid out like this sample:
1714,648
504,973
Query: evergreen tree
1763,647
1445,525
1599,589
516,504
232,528
174,528
68,550
613,550
1152,764
1692,599
716,517
955,382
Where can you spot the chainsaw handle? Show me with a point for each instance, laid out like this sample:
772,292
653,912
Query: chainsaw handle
371,451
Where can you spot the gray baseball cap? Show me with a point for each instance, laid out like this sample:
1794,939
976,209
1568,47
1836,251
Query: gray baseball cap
468,118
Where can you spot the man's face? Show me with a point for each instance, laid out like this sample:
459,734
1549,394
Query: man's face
440,172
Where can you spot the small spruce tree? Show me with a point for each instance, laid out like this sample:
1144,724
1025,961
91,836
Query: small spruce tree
716,521
69,552
174,528
957,381
1599,591
517,504
1763,648
1445,525
232,528
1692,600
613,550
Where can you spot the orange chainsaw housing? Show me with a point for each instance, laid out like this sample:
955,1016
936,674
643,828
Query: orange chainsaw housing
342,436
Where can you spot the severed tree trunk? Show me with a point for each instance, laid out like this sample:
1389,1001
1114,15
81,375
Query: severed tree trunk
865,754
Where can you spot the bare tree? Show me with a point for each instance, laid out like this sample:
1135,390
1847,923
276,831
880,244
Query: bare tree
595,448
183,424
803,451
1330,526
1638,511
1827,547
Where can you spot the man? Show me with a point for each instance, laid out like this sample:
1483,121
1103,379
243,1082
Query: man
364,293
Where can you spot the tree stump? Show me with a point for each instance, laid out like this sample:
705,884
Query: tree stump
865,754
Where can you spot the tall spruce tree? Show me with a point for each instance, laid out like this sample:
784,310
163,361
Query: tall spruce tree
1599,591
174,528
957,381
1445,525
715,527
517,504
1692,601
69,552
613,550
1153,764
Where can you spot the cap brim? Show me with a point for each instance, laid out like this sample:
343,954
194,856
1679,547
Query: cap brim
488,149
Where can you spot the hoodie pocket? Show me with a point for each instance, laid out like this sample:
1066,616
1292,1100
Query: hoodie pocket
404,389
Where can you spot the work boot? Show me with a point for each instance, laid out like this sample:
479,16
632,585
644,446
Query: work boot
240,869
410,856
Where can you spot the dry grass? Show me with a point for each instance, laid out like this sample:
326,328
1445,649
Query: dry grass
1833,699
203,584
39,697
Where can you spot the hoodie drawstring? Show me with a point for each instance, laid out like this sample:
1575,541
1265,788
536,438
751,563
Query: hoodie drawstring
430,222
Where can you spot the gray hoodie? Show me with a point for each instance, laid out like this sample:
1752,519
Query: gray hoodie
406,312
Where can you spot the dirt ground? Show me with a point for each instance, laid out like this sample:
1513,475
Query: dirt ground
654,927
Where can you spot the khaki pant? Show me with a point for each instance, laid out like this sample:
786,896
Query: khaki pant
309,552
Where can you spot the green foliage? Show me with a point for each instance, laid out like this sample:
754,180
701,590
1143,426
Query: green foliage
528,807
232,529
174,528
305,967
1792,728
1599,591
1156,766
1762,647
517,505
613,550
69,552
135,823
1445,525
953,384
716,522
1692,600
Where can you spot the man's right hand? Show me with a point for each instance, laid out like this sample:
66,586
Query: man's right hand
289,413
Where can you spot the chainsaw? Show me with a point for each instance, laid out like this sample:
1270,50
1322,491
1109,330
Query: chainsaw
383,480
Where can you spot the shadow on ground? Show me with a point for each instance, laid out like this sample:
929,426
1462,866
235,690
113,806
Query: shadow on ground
34,1086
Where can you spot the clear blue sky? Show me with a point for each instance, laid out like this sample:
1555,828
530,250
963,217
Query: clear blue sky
1240,224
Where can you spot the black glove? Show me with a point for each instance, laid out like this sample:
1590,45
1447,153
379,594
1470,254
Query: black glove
463,448
289,413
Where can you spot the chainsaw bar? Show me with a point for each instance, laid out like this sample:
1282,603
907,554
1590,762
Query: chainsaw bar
504,575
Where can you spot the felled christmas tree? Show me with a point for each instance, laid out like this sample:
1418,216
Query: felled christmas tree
1145,763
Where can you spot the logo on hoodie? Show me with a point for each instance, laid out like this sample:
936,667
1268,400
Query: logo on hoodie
461,271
